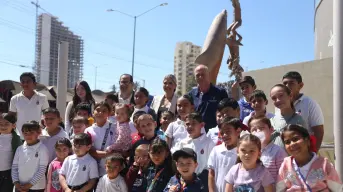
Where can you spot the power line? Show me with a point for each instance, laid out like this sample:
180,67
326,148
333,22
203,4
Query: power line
13,26
22,65
97,39
19,7
25,29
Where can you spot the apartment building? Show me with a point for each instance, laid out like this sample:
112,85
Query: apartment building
184,57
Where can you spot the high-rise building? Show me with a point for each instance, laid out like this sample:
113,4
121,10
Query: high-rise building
49,33
184,57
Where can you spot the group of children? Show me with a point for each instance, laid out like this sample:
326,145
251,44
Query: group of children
120,148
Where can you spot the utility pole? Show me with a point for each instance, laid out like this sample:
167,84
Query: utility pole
96,73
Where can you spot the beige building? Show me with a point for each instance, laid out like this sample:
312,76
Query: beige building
318,79
184,57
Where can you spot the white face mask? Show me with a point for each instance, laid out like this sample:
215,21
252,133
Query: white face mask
260,135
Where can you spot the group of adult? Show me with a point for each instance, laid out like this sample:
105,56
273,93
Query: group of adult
29,103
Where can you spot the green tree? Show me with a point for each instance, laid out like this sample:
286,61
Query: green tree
227,86
136,85
114,88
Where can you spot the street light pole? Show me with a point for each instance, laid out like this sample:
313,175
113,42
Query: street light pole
134,30
96,73
134,45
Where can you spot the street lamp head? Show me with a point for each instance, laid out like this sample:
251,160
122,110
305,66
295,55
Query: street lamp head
109,10
164,4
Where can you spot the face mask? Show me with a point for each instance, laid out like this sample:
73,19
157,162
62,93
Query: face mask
260,135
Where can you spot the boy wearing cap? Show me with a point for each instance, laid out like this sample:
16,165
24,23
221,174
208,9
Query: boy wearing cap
186,179
7,135
247,85
199,142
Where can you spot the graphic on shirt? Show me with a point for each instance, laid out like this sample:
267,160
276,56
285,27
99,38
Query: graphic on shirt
84,168
55,180
315,175
36,155
244,188
138,182
202,151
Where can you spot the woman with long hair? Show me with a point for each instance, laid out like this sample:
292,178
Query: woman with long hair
166,102
82,94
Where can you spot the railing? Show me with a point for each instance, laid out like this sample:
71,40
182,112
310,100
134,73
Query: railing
328,150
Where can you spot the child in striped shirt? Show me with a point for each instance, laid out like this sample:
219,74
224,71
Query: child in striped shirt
272,155
30,161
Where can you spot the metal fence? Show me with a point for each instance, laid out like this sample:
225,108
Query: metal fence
328,150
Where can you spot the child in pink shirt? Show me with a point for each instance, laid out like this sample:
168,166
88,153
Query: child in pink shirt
304,170
63,149
123,132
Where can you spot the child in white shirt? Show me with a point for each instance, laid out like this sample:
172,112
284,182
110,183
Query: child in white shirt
79,125
199,142
113,181
102,133
30,160
176,130
79,172
9,142
223,156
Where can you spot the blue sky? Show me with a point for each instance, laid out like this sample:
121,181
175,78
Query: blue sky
274,33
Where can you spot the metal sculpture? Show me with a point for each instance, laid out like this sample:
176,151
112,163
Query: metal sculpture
234,43
214,45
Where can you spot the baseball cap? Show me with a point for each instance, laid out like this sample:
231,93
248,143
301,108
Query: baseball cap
247,79
9,117
186,153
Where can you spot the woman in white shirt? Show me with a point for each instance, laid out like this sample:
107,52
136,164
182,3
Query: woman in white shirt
166,102
82,94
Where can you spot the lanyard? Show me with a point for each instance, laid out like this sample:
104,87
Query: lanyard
154,180
105,137
297,170
183,185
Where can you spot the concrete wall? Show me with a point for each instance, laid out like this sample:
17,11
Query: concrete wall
317,78
323,23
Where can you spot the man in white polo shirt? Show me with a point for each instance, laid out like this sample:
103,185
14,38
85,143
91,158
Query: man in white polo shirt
305,106
28,104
